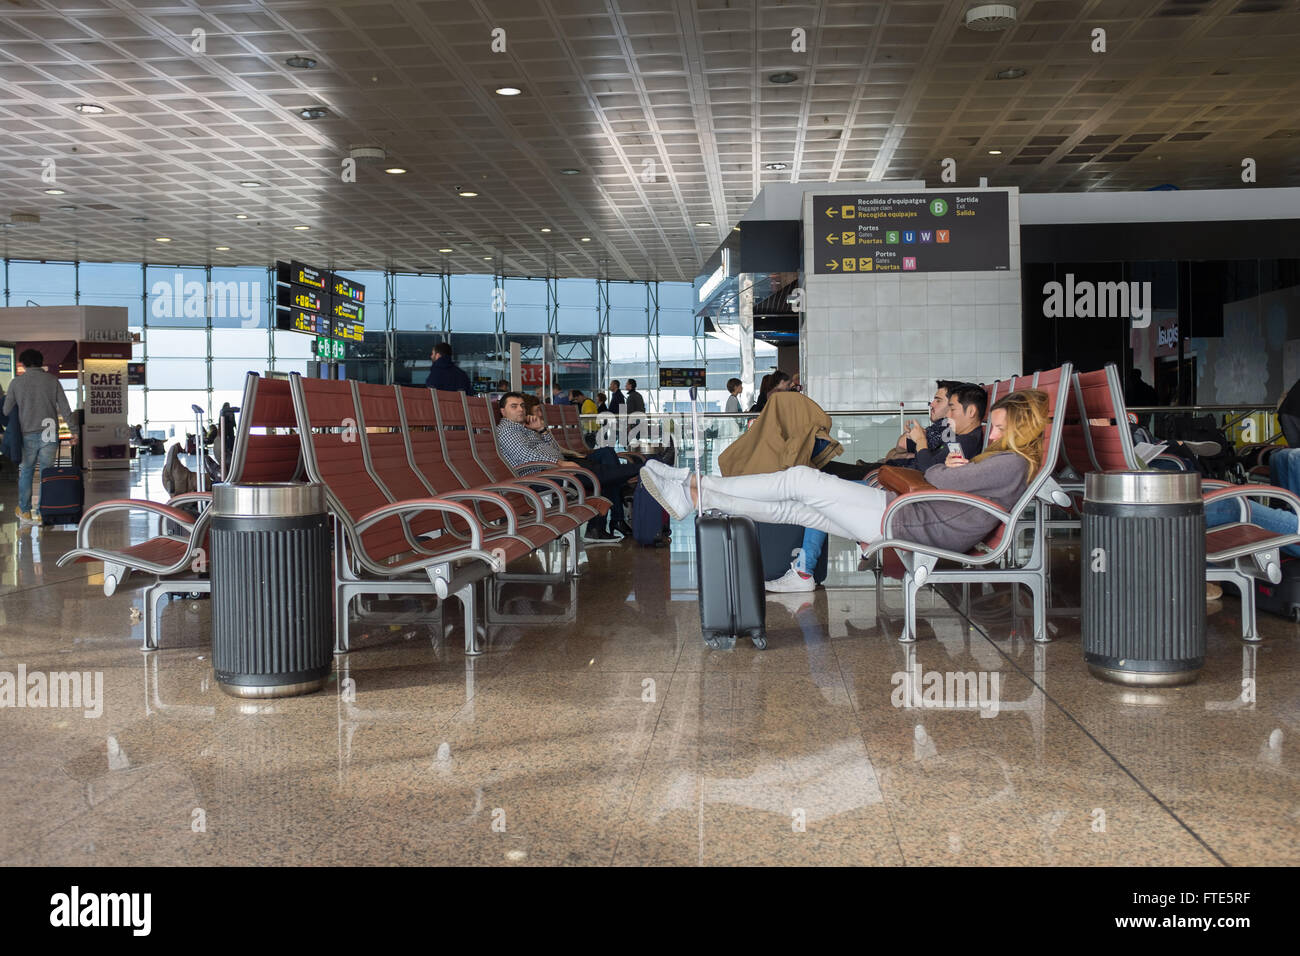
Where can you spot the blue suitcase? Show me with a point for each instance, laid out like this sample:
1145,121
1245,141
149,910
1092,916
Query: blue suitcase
63,493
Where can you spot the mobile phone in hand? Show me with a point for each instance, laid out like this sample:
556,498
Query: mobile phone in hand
954,448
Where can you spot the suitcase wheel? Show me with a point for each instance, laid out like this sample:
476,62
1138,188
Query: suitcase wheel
760,642
716,641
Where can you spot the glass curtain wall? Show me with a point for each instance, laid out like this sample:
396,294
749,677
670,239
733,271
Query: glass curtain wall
202,328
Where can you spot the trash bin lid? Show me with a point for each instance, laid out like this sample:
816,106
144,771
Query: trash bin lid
268,499
1142,487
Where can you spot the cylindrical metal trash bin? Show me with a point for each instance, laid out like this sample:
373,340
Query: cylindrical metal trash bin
1144,577
272,617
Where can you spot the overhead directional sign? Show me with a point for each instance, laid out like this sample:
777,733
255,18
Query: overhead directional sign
911,232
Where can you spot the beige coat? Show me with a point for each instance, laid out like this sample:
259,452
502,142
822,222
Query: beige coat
781,437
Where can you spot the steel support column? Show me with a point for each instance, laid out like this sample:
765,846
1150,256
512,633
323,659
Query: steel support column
652,340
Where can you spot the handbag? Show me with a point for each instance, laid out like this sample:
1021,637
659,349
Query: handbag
902,480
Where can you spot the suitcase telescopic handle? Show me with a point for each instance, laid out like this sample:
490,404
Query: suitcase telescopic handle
695,444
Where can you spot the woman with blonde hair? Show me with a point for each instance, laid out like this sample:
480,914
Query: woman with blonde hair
814,499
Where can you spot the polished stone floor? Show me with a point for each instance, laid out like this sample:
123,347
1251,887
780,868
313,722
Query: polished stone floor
602,731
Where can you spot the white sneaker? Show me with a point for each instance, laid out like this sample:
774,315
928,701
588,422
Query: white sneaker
667,471
669,493
792,580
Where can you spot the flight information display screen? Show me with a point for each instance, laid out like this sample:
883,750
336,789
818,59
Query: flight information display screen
681,377
319,303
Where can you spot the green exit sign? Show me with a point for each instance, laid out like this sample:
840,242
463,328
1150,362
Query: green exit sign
329,349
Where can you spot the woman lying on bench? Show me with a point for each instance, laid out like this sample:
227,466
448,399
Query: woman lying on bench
814,499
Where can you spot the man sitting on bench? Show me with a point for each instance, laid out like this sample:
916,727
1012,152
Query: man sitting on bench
524,441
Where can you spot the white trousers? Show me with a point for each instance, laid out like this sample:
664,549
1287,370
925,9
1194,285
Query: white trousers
803,496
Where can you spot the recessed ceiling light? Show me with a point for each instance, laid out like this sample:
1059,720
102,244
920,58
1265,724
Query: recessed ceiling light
313,112
467,193
139,218
487,258
445,249
546,228
240,215
250,183
54,192
569,171
91,108
508,91
302,228
223,248
995,152
163,239
585,239
67,209
1013,73
395,170
775,166
783,77
301,63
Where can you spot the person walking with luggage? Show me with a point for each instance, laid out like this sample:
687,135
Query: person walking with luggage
40,401
814,499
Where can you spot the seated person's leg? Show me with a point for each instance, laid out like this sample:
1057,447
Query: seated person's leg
814,543
802,496
849,472
605,456
800,575
1276,520
613,480
1284,469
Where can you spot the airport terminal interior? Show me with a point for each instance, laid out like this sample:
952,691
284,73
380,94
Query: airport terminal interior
277,587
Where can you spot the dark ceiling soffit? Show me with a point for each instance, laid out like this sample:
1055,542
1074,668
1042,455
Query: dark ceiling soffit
1156,241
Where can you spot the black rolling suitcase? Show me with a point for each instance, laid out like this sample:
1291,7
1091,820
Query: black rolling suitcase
729,570
63,493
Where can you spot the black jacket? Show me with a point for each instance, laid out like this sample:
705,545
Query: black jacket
635,403
447,376
615,401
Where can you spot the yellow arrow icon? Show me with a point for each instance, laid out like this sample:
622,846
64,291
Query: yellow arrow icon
832,238
833,265
832,212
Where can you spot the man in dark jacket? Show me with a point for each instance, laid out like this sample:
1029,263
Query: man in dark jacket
635,403
445,375
615,398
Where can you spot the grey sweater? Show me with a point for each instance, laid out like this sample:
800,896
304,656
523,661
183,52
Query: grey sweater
39,397
956,526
